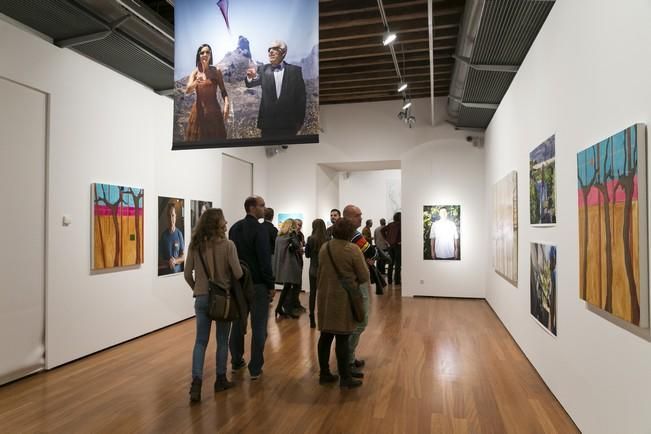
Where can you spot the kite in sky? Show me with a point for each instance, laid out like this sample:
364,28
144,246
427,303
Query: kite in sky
223,6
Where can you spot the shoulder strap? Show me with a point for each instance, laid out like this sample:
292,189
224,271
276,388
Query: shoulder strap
333,261
205,269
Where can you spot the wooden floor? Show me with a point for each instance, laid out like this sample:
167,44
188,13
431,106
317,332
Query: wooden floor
433,365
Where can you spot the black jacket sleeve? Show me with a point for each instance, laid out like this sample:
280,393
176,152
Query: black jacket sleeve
263,250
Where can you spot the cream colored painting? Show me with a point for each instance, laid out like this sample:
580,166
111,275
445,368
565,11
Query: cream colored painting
505,236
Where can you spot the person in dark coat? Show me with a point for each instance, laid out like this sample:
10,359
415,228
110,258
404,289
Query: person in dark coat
312,248
288,269
334,312
282,106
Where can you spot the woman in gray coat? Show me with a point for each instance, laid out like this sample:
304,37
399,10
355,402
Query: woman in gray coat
287,268
334,312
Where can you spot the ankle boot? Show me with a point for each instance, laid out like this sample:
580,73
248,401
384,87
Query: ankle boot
328,377
222,383
195,390
349,383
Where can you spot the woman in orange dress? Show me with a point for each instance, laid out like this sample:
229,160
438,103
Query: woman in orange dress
206,118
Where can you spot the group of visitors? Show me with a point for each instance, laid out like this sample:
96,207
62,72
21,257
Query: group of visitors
256,256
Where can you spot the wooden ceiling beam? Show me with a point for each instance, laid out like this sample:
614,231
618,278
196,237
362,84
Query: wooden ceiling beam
384,91
382,51
413,84
384,71
443,57
383,76
370,42
377,99
400,27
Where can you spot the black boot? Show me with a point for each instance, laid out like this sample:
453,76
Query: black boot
312,322
328,378
195,390
349,383
222,383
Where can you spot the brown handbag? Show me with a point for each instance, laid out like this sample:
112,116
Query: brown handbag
354,294
222,305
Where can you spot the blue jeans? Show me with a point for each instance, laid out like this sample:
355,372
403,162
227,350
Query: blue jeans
222,331
259,318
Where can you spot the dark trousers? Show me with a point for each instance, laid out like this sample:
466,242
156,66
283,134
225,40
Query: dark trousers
259,318
341,349
288,300
313,295
380,265
393,276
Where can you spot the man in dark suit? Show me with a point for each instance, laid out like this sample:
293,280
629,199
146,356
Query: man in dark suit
282,107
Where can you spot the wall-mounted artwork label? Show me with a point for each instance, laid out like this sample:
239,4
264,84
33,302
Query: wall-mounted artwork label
118,219
613,225
441,232
171,235
542,183
246,73
543,285
197,207
505,237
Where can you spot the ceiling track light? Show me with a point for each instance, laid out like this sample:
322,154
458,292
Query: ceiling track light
407,104
402,87
389,37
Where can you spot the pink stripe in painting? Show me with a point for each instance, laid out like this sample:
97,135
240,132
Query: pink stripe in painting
594,197
103,210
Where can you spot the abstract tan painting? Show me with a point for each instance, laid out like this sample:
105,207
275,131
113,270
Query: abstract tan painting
505,235
118,216
612,225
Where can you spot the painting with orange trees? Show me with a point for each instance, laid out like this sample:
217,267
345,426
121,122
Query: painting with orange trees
612,225
118,218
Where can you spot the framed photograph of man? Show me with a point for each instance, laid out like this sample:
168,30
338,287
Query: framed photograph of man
542,183
442,232
246,73
171,235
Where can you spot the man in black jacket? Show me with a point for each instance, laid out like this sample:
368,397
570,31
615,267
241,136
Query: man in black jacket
282,107
252,242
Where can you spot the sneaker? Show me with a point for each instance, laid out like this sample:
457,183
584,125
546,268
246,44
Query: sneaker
256,376
239,365
328,378
359,363
222,383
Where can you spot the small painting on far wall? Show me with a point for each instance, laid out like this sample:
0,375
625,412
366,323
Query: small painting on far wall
442,232
118,216
171,235
542,183
282,216
197,208
543,285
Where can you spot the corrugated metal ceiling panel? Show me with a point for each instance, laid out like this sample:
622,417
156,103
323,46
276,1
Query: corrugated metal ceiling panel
474,117
507,30
487,86
55,18
118,53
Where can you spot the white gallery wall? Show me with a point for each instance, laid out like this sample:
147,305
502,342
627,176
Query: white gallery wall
374,191
437,165
587,76
104,127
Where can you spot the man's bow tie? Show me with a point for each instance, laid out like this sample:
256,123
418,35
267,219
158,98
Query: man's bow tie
277,67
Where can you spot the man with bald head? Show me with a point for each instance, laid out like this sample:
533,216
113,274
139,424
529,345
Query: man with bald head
282,106
354,214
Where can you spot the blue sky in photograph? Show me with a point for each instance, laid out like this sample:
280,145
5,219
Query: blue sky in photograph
260,21
545,151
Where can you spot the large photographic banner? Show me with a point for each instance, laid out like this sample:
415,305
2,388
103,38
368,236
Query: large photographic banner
246,73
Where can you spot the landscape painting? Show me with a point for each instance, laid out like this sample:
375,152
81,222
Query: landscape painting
612,225
542,183
543,285
118,216
505,237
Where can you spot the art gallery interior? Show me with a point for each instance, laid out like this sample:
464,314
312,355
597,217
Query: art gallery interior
68,121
